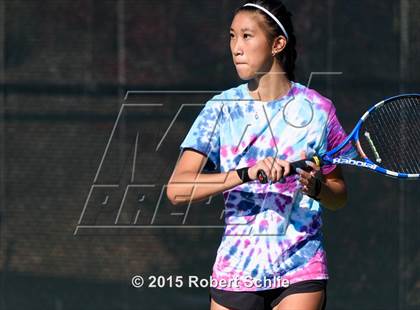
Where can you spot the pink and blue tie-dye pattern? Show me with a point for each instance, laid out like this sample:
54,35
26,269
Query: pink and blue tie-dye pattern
272,230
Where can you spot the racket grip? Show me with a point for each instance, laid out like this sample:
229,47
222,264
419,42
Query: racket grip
262,177
300,164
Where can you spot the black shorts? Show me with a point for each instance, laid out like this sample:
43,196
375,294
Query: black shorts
267,299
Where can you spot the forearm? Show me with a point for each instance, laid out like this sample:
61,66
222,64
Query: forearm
190,186
333,194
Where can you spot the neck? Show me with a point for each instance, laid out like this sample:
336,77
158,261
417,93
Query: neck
271,85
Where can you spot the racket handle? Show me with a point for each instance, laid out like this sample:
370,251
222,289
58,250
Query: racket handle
262,177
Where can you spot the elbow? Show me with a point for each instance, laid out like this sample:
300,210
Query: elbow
336,196
178,190
338,204
173,196
171,192
342,202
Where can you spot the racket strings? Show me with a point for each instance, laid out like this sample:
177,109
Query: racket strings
400,119
415,135
410,134
407,146
412,141
373,128
409,139
394,135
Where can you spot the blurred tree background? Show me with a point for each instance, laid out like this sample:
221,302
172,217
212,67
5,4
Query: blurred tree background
76,204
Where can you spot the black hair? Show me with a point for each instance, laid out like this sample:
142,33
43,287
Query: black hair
288,55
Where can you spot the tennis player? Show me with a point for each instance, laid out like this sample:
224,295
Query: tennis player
271,255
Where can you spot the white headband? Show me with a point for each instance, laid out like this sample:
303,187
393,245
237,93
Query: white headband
271,15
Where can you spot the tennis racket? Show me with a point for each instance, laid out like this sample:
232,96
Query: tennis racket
387,139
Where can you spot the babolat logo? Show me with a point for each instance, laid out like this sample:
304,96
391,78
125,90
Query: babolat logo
353,162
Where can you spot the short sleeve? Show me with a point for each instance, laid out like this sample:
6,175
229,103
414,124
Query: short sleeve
204,134
335,135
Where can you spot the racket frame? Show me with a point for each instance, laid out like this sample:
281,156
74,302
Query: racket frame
366,163
327,159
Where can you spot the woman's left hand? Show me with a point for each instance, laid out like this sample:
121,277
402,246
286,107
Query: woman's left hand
309,180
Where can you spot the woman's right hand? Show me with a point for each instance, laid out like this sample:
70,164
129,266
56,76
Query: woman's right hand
274,168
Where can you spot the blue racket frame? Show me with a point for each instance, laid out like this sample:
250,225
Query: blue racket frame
366,163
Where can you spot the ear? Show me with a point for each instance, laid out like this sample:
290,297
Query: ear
279,44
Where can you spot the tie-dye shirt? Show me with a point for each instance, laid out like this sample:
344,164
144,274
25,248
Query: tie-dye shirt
272,230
